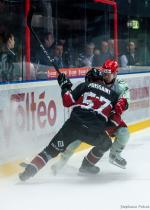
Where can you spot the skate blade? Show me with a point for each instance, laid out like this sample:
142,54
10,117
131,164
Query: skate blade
114,163
23,164
86,174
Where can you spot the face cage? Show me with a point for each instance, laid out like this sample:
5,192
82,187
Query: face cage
107,71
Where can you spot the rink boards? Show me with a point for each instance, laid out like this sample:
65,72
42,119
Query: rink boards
31,114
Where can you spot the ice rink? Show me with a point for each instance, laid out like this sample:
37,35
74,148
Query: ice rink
113,189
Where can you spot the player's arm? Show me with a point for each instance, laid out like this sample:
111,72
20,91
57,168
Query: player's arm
124,97
122,103
69,96
65,85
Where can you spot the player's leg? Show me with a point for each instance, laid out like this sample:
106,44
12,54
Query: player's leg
65,156
88,164
40,160
121,138
58,144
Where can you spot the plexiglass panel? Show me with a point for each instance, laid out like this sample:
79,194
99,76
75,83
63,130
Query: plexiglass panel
75,33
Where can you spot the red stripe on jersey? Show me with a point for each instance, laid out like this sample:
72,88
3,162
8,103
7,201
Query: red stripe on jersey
96,102
106,112
68,99
80,99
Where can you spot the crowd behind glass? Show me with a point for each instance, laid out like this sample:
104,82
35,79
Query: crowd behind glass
67,51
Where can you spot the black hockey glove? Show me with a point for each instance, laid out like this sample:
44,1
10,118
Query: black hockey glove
64,82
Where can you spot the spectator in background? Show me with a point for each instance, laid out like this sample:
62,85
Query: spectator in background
48,41
8,71
130,57
41,63
96,51
68,54
98,60
86,58
58,55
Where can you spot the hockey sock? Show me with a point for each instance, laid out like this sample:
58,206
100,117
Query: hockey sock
40,160
94,156
36,164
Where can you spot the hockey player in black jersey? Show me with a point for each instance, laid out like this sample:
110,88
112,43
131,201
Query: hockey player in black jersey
92,104
116,127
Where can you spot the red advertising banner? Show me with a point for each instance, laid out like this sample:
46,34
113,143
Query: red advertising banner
69,72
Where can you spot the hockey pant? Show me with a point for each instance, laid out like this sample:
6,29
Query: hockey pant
70,132
121,134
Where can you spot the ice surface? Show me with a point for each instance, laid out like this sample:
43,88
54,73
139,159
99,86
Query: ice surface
113,189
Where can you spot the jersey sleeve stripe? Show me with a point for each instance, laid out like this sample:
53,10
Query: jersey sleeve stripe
68,99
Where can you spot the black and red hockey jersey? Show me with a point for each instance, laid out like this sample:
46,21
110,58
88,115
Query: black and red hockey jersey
92,103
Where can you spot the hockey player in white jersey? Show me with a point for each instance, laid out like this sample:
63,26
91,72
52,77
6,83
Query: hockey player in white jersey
118,129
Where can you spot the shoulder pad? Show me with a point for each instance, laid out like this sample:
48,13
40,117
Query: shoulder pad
121,81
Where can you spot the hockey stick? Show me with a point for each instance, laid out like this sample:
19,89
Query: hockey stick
29,20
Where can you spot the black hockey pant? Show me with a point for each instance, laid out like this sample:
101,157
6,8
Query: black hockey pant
73,130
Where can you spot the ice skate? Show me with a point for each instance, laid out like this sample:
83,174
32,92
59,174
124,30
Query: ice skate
23,164
29,171
87,168
117,160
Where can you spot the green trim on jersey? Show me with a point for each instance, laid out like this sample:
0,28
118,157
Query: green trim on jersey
122,89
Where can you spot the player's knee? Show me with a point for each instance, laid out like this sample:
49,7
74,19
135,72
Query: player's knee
70,150
104,147
74,145
122,135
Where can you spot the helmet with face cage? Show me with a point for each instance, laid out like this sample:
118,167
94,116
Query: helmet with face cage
93,75
110,66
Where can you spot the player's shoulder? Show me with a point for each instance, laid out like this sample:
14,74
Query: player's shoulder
80,84
121,81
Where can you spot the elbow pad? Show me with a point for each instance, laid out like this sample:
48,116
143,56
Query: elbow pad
121,106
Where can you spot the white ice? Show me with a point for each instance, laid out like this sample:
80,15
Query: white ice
113,189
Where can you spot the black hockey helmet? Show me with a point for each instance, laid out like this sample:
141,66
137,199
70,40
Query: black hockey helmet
93,75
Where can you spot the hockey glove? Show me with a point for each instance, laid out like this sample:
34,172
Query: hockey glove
120,106
64,82
115,119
